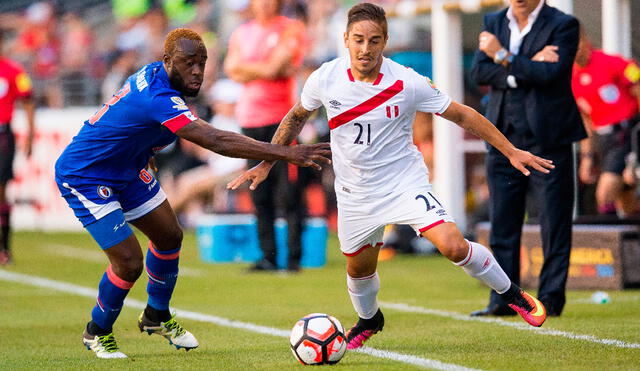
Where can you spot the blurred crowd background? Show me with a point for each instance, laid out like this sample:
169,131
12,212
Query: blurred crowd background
78,52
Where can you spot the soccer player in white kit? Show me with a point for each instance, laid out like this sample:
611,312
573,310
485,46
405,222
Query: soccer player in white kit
381,178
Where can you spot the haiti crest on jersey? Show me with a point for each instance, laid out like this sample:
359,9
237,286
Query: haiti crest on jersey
104,192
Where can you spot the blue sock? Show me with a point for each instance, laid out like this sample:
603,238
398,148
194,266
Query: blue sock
111,293
162,269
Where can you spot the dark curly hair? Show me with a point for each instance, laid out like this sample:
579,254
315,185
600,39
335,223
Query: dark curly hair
367,12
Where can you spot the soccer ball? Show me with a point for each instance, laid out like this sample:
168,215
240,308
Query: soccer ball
318,339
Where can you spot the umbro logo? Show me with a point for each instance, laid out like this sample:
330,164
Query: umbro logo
335,104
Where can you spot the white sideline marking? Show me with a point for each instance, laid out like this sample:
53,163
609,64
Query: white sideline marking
517,325
137,304
95,256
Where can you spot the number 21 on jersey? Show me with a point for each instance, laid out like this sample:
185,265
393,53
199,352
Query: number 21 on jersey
105,107
364,133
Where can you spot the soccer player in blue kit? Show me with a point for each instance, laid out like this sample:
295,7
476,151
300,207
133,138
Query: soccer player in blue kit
102,175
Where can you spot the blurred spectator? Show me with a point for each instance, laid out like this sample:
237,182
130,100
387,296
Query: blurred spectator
186,12
264,54
145,35
14,85
122,64
157,25
477,200
295,9
38,48
128,9
423,139
76,44
180,12
133,34
324,31
607,90
236,12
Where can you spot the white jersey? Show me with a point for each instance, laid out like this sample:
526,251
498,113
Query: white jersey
371,126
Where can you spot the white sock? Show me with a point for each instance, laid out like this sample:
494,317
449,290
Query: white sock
363,292
481,264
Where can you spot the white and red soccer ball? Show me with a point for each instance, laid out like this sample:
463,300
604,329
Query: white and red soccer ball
318,339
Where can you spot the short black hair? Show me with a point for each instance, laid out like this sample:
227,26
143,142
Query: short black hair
367,12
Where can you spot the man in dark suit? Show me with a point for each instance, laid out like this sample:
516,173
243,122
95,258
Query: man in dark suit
526,53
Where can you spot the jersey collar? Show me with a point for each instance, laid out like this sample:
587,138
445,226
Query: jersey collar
377,80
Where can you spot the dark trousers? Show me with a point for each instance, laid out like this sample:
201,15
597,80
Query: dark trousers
553,194
281,190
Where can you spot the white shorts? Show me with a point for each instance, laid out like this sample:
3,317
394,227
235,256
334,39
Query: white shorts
361,223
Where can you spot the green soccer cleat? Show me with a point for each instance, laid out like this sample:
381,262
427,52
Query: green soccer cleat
104,346
171,330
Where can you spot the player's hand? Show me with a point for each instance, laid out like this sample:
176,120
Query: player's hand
629,176
489,44
310,155
255,175
151,165
548,54
522,159
585,171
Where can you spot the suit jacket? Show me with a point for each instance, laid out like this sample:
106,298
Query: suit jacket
550,107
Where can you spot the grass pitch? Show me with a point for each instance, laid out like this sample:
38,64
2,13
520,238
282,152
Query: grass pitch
425,300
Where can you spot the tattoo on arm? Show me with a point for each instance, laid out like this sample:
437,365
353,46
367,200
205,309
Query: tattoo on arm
291,125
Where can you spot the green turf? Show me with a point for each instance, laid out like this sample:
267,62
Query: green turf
41,329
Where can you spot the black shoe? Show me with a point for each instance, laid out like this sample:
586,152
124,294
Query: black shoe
263,266
5,257
553,309
293,267
364,329
494,310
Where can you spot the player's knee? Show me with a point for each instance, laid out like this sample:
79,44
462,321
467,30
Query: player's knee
361,271
171,239
129,269
175,237
361,268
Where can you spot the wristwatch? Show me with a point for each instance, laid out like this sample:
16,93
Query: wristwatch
500,56
510,58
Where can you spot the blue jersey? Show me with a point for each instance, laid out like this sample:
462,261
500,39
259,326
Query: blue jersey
120,138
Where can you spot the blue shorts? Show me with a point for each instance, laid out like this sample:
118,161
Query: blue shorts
92,202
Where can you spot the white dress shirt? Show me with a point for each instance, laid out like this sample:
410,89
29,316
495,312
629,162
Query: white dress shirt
515,40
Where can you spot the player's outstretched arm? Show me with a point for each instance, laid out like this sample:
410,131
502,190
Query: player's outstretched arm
470,120
287,132
232,144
